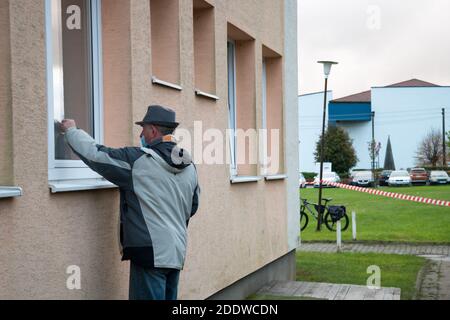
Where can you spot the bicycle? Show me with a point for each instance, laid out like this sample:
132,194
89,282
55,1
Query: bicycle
328,219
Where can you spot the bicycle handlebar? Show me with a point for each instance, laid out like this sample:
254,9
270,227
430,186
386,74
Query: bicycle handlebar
326,200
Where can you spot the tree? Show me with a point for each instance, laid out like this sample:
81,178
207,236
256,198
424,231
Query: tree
448,137
374,151
389,163
338,149
430,149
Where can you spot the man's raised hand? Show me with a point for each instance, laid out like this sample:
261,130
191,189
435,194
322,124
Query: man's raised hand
66,124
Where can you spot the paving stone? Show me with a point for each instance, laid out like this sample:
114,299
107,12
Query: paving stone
389,294
356,293
266,288
322,290
444,281
429,288
285,288
310,290
303,287
333,292
397,294
342,292
374,294
379,248
379,295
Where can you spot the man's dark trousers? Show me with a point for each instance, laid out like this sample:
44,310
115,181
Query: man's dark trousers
153,283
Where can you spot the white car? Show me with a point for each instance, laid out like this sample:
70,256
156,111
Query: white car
439,177
302,181
399,178
327,177
362,179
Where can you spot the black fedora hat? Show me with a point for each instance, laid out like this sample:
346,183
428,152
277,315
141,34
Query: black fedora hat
160,116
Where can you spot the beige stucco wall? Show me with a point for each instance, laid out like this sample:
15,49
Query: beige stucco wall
117,75
42,233
6,177
204,48
165,31
275,113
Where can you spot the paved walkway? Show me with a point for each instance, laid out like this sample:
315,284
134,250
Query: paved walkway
328,291
416,249
434,282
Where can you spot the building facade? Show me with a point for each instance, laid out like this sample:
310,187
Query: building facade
222,65
310,109
404,111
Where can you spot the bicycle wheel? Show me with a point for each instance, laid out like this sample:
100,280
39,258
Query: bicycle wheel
332,225
303,220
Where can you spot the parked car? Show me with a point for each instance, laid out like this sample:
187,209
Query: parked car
399,178
302,181
438,177
418,175
327,177
363,179
384,177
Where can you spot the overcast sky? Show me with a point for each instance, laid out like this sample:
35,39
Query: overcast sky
376,42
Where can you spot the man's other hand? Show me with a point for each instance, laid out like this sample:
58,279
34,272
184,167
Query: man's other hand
66,124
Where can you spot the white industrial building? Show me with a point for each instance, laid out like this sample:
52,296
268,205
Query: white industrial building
310,127
404,111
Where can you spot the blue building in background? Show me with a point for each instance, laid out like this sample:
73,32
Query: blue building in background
357,107
405,111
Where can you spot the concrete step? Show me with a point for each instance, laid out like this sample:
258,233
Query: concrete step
328,291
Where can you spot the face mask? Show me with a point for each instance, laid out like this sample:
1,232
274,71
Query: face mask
143,142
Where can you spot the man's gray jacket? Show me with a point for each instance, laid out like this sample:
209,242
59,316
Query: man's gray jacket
158,196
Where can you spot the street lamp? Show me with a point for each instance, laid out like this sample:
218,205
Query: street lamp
326,70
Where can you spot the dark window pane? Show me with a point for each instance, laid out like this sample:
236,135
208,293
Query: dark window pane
77,69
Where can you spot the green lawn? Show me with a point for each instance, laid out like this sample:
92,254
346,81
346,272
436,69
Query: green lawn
386,219
399,271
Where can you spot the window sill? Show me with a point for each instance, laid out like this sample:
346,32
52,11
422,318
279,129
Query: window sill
10,192
244,179
166,84
200,93
80,185
275,177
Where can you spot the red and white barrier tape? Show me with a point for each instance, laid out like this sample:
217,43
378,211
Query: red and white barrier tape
390,194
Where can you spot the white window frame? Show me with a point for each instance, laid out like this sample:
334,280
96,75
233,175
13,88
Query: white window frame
66,170
232,103
10,192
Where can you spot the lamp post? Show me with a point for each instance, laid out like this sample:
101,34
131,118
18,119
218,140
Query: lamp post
373,146
444,159
326,70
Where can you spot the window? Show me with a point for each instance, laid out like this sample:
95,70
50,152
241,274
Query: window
165,42
272,113
75,80
232,105
204,49
242,104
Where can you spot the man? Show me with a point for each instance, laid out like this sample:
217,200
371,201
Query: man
159,193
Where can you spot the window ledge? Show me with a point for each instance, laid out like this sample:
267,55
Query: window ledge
206,95
276,177
10,192
80,185
245,179
166,84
